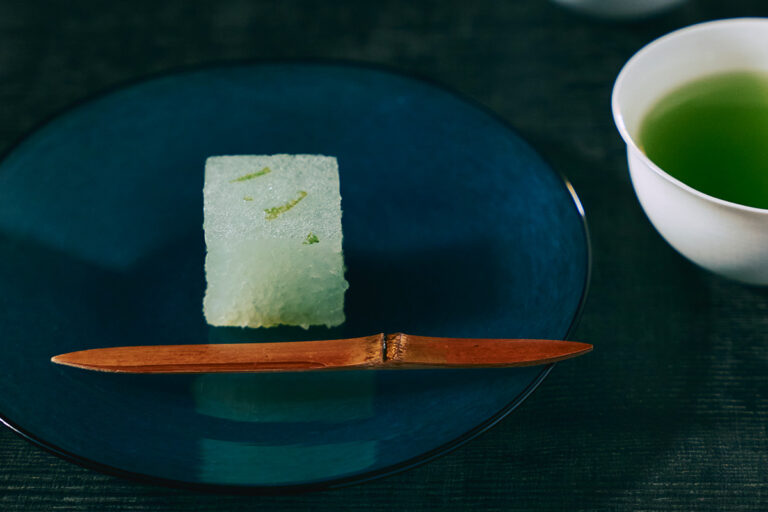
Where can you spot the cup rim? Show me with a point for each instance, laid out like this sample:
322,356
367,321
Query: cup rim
618,117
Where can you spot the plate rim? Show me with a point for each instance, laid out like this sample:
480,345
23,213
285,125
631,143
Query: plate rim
331,483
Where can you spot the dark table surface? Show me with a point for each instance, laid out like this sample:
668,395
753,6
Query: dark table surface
670,411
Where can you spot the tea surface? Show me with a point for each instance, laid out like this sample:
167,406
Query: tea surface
712,134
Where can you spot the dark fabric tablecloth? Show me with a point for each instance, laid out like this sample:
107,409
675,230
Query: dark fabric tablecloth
668,413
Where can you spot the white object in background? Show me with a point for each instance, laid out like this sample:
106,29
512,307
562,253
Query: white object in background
619,9
727,238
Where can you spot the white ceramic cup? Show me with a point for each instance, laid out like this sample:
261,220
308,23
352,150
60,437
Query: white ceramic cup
727,238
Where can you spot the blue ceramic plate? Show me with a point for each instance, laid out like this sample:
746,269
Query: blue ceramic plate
453,226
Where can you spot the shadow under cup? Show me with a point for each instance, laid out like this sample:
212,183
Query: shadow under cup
724,237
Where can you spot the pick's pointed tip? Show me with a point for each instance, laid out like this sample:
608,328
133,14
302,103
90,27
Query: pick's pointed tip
576,349
583,348
62,359
71,359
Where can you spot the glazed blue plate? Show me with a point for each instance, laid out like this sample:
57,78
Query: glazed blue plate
453,227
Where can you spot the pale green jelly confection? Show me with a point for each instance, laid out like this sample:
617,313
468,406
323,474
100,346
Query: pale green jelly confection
261,269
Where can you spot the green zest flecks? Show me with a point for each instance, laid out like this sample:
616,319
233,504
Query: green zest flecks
252,175
247,198
311,239
273,212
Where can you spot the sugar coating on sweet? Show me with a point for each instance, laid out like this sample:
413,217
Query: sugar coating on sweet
273,237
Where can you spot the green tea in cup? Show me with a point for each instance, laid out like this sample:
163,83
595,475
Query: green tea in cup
692,108
712,134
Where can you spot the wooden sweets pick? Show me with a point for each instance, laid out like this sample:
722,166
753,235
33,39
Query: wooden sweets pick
377,352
